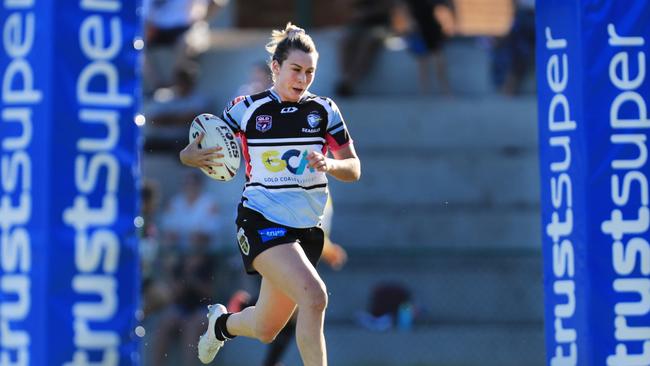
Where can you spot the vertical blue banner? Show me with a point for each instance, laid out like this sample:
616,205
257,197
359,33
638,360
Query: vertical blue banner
25,171
594,90
69,279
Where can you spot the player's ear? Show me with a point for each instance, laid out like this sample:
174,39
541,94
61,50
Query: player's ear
275,67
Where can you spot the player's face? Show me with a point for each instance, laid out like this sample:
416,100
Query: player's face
295,75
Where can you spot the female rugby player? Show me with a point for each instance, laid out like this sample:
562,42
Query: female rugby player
286,133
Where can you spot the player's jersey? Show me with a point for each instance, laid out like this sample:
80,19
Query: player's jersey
276,139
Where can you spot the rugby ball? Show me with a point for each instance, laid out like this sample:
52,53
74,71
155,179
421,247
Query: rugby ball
217,133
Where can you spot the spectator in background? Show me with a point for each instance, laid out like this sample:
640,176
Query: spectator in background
155,293
514,54
363,39
179,104
186,268
183,320
177,25
418,22
390,305
192,218
258,81
171,109
148,227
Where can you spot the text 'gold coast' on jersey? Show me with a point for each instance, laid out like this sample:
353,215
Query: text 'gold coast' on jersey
276,139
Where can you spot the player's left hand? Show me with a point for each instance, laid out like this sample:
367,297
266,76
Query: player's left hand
319,161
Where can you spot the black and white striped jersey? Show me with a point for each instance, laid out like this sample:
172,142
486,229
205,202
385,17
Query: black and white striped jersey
276,138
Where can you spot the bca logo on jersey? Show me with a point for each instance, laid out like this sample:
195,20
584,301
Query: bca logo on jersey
243,242
295,161
263,123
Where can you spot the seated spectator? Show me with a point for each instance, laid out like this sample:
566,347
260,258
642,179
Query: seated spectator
155,294
390,306
148,227
179,104
170,111
192,220
167,23
259,80
185,271
182,321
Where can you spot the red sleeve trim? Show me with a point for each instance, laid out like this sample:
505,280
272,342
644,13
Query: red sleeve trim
333,145
235,101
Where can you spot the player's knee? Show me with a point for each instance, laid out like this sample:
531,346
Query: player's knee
316,297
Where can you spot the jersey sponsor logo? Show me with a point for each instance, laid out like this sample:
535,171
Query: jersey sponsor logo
288,110
243,241
263,123
295,161
272,233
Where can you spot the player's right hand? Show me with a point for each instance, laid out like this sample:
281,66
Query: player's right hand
196,157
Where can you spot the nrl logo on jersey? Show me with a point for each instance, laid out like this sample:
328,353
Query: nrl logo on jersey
263,123
313,119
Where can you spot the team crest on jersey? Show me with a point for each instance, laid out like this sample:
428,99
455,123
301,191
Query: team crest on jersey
313,119
263,123
243,242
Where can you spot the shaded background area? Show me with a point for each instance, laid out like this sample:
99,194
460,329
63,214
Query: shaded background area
447,207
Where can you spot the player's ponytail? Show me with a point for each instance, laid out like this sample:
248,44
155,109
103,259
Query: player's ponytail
291,38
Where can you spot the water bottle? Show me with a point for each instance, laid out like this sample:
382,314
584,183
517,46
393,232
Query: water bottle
405,317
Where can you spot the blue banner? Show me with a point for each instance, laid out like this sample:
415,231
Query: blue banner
593,92
69,283
24,163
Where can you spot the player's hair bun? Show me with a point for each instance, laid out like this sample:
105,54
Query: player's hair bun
290,38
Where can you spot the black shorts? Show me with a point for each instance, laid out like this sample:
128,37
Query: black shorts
256,234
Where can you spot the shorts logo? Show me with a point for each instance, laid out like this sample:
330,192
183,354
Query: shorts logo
243,242
272,233
263,123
